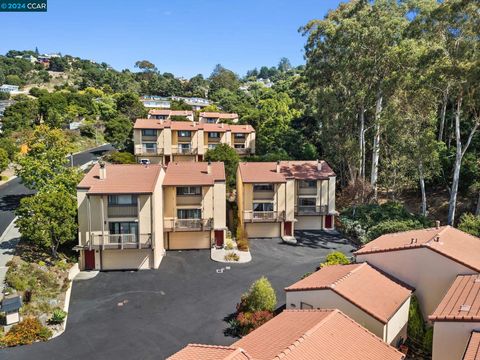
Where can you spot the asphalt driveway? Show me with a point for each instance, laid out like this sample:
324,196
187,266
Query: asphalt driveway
152,314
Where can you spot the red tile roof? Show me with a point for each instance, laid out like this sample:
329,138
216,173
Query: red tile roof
315,334
257,172
360,284
191,125
461,302
219,115
473,348
193,173
209,352
121,179
168,112
446,240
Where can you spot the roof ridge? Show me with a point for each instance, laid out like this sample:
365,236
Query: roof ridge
308,332
226,347
347,275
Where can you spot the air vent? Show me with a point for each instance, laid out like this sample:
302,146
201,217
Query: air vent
465,307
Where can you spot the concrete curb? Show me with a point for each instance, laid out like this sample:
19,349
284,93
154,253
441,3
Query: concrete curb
8,180
74,270
9,228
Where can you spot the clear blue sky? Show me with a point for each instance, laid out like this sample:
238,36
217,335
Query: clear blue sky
184,37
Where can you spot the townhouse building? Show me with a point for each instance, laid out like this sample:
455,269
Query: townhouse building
128,215
371,298
194,205
274,199
300,335
427,259
164,141
456,321
120,208
216,117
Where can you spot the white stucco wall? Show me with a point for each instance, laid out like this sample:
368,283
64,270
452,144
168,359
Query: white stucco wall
450,339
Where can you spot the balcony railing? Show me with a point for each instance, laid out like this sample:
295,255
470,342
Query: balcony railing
121,241
311,210
182,150
263,216
242,151
239,140
175,224
122,211
140,150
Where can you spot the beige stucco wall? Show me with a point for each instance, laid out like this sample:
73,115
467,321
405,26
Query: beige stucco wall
450,339
219,205
327,299
127,259
397,324
305,222
331,194
290,200
187,240
157,216
430,273
263,230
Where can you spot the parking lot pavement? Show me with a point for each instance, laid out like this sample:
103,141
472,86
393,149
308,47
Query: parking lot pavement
152,314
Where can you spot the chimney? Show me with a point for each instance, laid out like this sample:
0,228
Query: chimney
319,165
437,224
209,167
278,166
102,174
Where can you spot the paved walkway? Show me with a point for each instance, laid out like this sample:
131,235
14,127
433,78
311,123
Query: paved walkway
8,242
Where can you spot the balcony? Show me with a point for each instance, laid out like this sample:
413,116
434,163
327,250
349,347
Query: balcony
184,151
140,150
149,138
242,151
175,224
239,140
311,210
189,199
263,195
114,211
263,216
121,241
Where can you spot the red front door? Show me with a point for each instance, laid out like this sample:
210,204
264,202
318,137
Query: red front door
328,221
288,228
219,238
89,259
200,157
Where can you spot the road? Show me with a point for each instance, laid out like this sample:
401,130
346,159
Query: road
14,190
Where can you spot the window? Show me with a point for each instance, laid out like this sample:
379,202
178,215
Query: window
123,228
212,146
184,133
122,200
239,136
211,120
189,190
184,147
308,184
189,213
149,132
262,206
239,146
310,201
213,135
263,187
150,147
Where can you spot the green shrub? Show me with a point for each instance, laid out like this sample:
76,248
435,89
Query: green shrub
416,324
428,340
58,316
231,256
392,226
242,239
26,332
335,258
120,157
366,222
260,297
470,224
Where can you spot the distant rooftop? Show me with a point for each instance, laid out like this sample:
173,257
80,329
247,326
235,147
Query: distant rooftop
186,173
191,126
473,347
